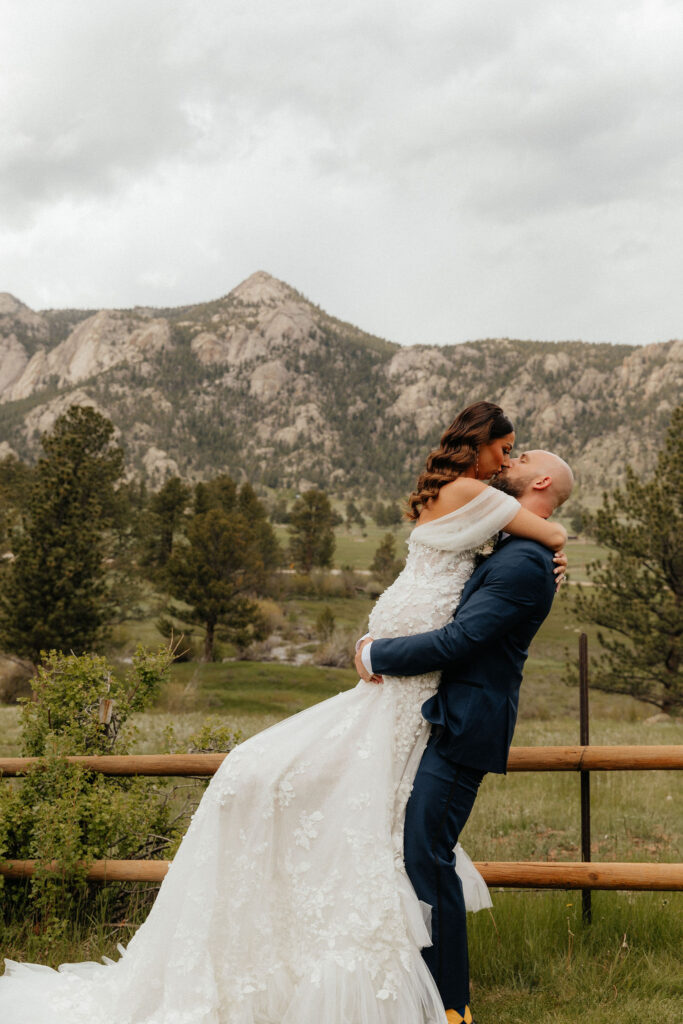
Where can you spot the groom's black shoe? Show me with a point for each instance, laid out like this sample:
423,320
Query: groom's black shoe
455,1017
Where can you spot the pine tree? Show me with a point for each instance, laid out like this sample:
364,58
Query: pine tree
256,514
217,572
164,518
353,516
54,593
219,492
279,512
15,482
385,565
311,537
386,515
127,549
637,592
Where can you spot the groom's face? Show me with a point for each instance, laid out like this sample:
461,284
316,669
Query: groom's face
518,476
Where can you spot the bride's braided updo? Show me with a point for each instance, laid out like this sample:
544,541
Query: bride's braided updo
476,425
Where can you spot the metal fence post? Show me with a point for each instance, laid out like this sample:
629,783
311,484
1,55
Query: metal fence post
587,911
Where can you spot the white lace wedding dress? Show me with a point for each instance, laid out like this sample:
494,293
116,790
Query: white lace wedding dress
288,902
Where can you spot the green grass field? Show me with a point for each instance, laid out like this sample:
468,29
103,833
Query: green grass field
356,548
270,688
241,686
533,960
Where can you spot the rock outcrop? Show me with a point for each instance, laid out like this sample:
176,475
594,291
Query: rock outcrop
265,385
94,346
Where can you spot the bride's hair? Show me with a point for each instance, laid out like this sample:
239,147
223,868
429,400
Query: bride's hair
478,424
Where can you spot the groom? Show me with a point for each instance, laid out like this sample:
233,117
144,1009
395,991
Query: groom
481,653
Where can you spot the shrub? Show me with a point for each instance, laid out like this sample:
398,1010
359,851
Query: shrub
338,650
325,623
323,585
66,813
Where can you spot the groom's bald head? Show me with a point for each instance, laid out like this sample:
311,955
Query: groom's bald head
540,480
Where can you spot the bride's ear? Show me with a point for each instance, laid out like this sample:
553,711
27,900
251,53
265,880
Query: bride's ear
542,483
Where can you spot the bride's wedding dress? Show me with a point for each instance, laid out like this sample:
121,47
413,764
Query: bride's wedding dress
287,901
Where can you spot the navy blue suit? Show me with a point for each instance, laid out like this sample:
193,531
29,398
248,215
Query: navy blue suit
481,654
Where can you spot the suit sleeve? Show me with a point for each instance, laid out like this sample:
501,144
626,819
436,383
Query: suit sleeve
514,589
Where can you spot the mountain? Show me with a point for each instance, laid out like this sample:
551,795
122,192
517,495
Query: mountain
264,384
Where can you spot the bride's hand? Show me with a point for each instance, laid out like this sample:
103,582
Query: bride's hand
560,569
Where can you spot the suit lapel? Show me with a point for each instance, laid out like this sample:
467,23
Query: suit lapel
479,574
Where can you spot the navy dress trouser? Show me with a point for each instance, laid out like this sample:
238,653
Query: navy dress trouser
439,806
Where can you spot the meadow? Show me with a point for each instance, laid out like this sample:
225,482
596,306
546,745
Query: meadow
533,959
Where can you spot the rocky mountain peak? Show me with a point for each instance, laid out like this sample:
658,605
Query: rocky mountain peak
263,383
19,325
10,306
102,341
262,289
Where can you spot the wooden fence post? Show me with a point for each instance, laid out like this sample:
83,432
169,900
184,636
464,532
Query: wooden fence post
586,904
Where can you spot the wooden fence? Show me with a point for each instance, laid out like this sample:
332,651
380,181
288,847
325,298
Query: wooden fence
510,874
521,759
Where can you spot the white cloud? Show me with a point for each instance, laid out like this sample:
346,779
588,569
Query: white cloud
433,173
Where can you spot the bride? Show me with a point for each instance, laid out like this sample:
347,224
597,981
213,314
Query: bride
287,901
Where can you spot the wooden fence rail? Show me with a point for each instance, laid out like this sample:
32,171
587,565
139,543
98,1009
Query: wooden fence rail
507,874
522,759
511,874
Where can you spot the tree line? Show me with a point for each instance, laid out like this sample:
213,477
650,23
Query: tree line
76,539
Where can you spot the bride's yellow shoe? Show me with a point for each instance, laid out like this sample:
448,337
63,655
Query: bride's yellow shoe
453,1017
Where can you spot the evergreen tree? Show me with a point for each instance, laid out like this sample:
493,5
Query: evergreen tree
54,592
637,592
255,513
279,512
353,515
219,492
217,572
126,551
577,515
15,480
311,537
385,565
386,515
165,515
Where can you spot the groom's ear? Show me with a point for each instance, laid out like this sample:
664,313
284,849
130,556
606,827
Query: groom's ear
542,483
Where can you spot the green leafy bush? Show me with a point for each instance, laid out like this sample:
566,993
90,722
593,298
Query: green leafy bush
66,813
325,623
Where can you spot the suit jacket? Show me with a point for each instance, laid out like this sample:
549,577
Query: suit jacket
481,653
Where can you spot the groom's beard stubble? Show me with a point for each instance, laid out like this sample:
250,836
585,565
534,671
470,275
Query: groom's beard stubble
502,483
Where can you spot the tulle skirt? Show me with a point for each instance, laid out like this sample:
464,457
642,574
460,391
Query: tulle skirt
286,903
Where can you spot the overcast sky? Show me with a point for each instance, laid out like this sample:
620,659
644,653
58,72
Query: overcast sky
433,172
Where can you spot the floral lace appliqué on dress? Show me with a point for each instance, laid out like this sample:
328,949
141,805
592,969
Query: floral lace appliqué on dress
287,901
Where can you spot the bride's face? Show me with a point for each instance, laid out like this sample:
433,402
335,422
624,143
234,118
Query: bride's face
495,456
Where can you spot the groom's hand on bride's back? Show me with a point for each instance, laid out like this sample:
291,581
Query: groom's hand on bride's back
360,666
